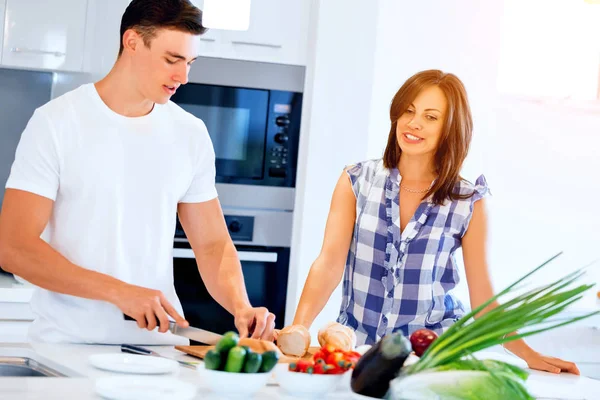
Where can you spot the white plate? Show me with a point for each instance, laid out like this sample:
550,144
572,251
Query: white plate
133,363
144,387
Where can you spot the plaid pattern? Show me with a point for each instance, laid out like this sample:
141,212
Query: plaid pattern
402,281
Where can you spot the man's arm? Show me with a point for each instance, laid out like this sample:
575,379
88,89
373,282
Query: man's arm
22,252
220,268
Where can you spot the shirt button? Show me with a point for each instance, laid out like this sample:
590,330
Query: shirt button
390,295
384,319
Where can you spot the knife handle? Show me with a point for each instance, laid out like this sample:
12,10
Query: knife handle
129,348
128,318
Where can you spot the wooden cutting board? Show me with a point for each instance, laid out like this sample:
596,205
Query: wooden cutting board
200,352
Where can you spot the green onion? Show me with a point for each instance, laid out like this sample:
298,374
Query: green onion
533,309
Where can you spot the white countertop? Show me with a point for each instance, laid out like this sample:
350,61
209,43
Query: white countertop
75,358
13,291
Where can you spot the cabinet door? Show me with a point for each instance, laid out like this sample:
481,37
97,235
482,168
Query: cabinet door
211,43
277,33
2,9
14,331
44,34
103,37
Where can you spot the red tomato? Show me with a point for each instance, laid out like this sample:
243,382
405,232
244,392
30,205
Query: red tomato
304,365
319,368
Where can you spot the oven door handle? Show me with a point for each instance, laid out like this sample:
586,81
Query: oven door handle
260,256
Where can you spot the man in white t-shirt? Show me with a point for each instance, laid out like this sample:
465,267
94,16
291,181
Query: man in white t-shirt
100,173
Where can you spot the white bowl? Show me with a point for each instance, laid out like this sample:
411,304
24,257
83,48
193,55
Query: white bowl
144,387
303,384
232,383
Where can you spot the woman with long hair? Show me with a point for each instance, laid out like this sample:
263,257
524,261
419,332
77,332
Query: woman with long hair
395,224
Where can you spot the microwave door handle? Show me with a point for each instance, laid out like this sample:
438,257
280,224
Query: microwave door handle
259,256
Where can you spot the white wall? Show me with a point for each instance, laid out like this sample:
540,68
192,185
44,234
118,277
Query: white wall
334,127
540,160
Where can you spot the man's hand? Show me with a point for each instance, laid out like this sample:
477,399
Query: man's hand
150,308
258,321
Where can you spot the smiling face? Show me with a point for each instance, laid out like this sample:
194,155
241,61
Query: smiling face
163,65
419,129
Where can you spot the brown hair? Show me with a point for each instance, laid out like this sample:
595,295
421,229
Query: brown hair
147,16
456,132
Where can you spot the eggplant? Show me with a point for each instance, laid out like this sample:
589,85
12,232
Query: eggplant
378,366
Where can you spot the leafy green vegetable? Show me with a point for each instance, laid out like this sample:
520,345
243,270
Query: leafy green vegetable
448,371
456,385
498,367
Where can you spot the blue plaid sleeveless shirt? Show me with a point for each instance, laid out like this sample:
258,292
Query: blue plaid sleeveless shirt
397,281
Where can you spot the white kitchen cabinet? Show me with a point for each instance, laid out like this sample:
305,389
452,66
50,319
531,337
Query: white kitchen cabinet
2,9
102,35
14,331
278,33
212,43
43,34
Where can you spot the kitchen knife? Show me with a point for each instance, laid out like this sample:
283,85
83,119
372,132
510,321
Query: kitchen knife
129,348
197,334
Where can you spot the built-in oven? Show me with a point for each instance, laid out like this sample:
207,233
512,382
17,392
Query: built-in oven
255,132
262,239
252,112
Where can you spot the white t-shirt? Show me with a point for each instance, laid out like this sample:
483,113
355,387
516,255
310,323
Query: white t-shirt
116,182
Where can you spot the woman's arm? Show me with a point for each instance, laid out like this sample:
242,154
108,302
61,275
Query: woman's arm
474,245
327,270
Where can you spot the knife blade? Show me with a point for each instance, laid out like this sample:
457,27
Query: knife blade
197,334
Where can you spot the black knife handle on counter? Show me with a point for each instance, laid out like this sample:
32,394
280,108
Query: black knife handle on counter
131,349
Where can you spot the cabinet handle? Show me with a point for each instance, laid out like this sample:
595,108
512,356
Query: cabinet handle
206,39
273,46
32,51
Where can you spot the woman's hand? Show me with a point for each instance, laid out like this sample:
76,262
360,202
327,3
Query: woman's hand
549,364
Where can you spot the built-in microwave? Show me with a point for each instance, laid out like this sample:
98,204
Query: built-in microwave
255,132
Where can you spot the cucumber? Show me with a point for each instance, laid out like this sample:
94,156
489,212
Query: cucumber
235,359
269,360
229,341
253,363
212,360
378,366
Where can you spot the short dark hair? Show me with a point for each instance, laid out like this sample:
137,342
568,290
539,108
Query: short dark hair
147,16
456,133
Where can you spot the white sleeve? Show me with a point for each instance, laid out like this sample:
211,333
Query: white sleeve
36,166
203,187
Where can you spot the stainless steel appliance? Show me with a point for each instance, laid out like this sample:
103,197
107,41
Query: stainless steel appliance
262,239
252,112
255,132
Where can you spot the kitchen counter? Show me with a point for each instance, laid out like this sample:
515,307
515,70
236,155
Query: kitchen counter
13,291
81,386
